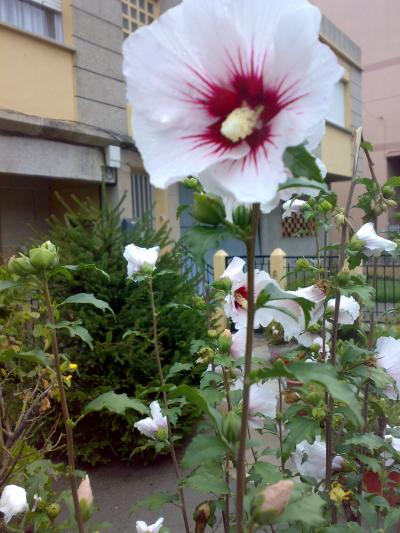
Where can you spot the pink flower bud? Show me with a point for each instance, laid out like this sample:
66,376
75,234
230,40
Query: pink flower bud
85,491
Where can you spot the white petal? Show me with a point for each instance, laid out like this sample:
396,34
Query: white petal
292,206
141,527
147,426
388,357
238,346
349,309
234,271
13,501
314,466
373,244
158,418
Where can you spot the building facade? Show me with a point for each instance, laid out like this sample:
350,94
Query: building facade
373,25
64,122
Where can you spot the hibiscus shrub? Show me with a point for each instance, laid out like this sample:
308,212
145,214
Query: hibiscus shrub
121,358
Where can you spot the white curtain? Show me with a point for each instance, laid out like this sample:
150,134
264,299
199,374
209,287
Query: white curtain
32,17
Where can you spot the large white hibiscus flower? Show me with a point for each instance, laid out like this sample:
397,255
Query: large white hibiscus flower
309,459
220,88
374,245
236,301
388,357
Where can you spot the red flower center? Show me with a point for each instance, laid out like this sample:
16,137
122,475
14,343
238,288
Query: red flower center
241,295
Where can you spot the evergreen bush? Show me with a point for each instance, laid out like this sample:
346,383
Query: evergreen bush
121,361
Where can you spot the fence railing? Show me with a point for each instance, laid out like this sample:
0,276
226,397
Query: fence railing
387,294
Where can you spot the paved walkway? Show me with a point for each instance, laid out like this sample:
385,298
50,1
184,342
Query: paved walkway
118,486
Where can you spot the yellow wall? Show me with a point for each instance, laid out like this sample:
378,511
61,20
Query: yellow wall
336,151
39,76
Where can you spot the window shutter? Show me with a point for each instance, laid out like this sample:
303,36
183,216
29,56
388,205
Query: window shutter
55,5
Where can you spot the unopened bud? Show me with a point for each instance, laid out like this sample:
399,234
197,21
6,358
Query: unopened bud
224,284
206,355
20,266
85,497
201,515
339,219
53,510
302,263
231,426
290,396
191,183
199,303
355,244
212,333
272,501
391,203
44,257
388,192
225,342
208,209
325,206
241,217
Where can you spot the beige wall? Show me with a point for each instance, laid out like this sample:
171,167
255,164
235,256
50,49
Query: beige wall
39,78
374,25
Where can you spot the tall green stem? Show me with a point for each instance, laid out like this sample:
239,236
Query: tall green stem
165,401
241,458
64,406
330,451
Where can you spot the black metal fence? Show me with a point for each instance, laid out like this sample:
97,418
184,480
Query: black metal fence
387,288
203,275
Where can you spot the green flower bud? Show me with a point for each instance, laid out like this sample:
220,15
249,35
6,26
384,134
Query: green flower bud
271,501
391,203
44,257
212,333
356,245
199,303
225,341
20,266
224,284
388,192
302,263
191,183
325,206
53,510
343,278
314,398
231,427
208,209
378,210
319,412
161,434
339,219
206,355
241,216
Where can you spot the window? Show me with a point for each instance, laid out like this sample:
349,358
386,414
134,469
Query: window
141,195
136,13
38,16
337,113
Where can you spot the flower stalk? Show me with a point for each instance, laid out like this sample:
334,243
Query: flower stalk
165,401
241,457
64,406
342,256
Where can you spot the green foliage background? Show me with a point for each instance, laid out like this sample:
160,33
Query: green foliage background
92,235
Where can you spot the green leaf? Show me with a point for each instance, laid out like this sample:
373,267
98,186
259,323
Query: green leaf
199,398
394,181
367,512
367,146
325,375
201,239
274,293
371,462
301,428
9,284
130,332
391,519
155,501
301,163
76,330
176,368
295,183
115,403
264,473
36,356
181,209
364,293
85,298
308,509
202,449
366,440
350,527
208,479
89,266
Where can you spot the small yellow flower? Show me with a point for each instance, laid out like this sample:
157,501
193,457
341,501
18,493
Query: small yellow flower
337,494
68,380
73,366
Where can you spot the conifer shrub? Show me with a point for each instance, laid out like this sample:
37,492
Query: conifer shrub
122,355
